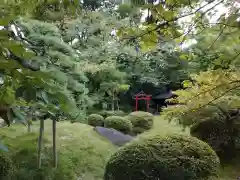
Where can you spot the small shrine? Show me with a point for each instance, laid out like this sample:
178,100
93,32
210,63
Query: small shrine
142,96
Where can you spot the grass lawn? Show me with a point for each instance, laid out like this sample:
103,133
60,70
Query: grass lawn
82,152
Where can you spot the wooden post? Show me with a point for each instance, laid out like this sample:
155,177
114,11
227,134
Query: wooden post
54,129
136,108
147,98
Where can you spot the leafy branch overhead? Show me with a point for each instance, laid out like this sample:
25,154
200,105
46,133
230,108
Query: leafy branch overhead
181,20
21,64
202,100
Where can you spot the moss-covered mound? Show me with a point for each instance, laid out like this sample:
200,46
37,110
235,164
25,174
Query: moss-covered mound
95,120
6,166
173,157
218,135
119,123
141,121
82,153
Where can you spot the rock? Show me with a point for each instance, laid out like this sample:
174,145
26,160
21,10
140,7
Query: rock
2,123
116,137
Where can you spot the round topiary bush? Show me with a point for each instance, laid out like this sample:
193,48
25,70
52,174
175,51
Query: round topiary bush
216,133
141,121
95,120
6,166
106,114
119,123
119,113
174,157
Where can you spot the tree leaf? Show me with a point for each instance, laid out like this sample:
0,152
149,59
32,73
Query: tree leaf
17,115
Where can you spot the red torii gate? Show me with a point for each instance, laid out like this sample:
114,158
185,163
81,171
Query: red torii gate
142,96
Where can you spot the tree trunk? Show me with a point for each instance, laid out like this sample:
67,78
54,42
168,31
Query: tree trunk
29,122
231,142
118,105
113,102
54,143
40,143
29,126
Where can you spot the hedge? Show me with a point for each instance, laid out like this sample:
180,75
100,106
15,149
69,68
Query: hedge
142,121
6,166
118,123
95,120
173,157
106,114
217,135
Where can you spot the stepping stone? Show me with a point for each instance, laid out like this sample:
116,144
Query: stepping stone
116,137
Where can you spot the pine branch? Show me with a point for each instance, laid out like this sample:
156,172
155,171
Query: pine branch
24,63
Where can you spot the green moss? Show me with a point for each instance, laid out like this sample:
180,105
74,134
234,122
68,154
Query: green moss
82,153
119,123
95,120
142,121
173,157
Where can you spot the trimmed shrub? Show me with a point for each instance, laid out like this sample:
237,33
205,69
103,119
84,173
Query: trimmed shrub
217,135
119,113
95,120
141,121
119,123
106,114
6,166
173,157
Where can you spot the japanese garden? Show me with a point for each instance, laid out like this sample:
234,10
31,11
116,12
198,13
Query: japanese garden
119,89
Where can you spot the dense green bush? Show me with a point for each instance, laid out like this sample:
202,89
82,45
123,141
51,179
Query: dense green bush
141,121
173,157
95,120
216,133
119,123
106,114
6,166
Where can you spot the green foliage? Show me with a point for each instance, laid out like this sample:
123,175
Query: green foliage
95,120
19,67
217,134
182,21
208,102
60,61
210,93
169,157
106,114
119,113
119,123
124,10
56,10
158,66
142,121
6,166
217,50
92,4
